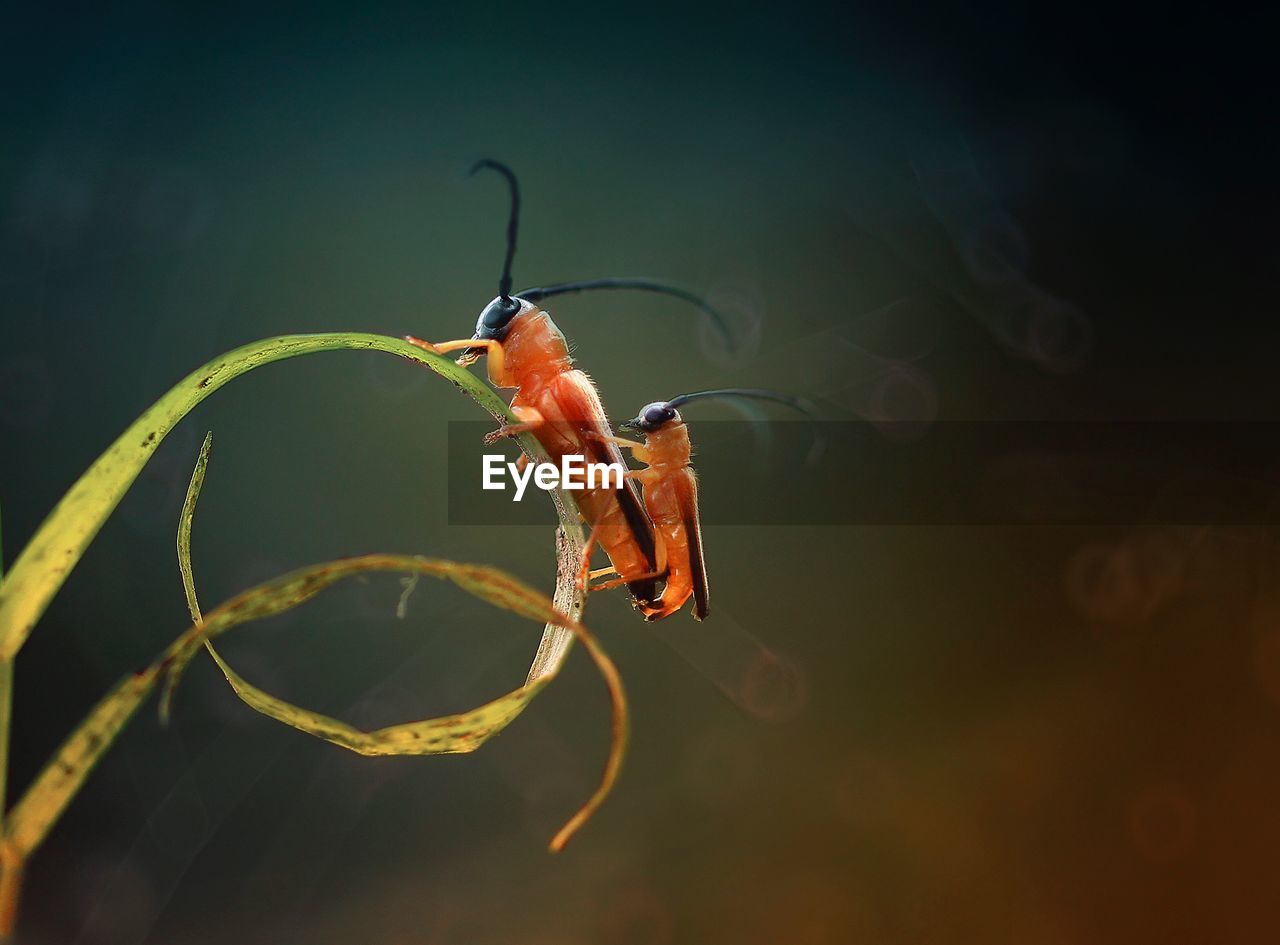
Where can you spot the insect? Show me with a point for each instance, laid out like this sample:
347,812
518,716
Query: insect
558,404
670,492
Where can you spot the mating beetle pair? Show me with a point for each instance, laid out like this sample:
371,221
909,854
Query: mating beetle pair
649,527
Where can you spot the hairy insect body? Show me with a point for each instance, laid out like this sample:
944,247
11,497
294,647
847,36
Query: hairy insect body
559,405
671,498
563,411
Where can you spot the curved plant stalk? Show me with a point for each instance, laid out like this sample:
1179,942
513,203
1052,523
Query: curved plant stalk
6,709
40,569
31,818
10,864
185,521
44,564
451,734
448,734
489,584
463,732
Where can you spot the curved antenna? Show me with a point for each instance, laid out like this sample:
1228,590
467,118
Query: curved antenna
805,406
513,222
646,285
800,404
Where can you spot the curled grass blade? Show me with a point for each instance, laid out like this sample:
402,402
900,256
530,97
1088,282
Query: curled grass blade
284,593
44,801
34,814
6,709
184,527
451,734
463,732
42,567
44,564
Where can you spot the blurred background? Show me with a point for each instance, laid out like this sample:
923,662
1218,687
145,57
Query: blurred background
1046,733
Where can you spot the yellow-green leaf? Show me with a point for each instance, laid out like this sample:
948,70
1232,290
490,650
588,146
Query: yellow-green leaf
184,527
44,564
462,732
285,592
30,819
448,734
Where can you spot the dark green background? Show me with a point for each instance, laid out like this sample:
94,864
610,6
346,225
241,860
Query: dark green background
1019,734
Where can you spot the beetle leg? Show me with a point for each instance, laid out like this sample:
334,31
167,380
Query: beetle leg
530,419
419,343
638,450
492,348
660,550
424,345
585,573
660,611
618,582
617,440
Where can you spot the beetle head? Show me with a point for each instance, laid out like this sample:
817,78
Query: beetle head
651,417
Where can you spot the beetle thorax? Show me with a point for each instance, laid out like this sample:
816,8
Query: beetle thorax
534,349
669,446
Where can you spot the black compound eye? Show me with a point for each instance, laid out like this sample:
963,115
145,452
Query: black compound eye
496,317
655,415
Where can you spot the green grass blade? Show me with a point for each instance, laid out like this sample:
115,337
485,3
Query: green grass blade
451,734
45,563
10,859
570,599
184,527
34,814
6,707
57,546
283,593
44,801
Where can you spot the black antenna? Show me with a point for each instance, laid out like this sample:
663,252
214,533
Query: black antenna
513,223
804,406
646,285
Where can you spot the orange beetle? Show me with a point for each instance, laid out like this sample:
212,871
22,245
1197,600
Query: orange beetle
671,496
559,404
